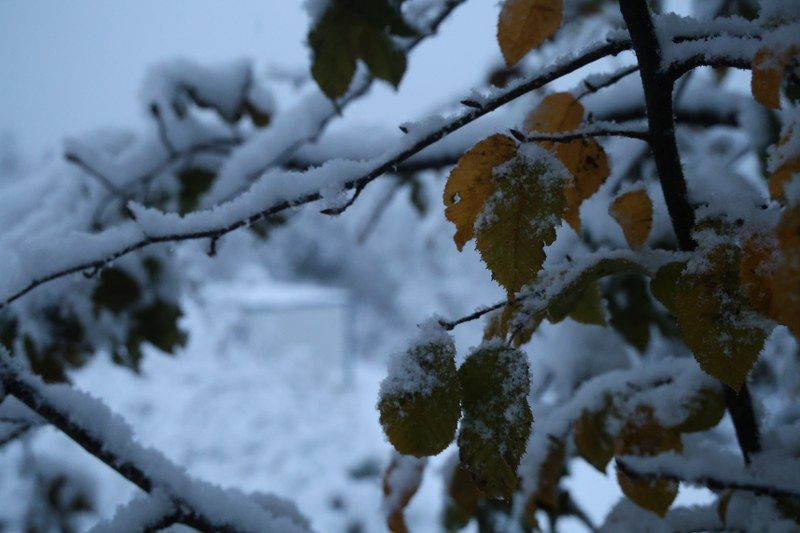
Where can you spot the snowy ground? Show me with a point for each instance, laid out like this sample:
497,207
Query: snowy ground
241,409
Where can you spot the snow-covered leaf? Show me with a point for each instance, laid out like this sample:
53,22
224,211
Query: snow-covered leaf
419,399
470,183
497,419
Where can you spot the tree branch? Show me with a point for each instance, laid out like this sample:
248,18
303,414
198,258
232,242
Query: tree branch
658,86
708,481
91,425
389,163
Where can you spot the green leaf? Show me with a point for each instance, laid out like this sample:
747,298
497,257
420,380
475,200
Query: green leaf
497,418
334,40
715,317
520,217
589,308
705,410
157,324
419,400
357,29
592,439
461,499
194,182
116,291
632,311
381,57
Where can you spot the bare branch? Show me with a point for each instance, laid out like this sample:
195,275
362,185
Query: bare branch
594,130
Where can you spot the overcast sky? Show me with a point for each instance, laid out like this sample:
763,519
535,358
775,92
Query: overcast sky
70,66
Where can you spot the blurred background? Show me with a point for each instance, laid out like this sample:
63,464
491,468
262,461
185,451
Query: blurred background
276,387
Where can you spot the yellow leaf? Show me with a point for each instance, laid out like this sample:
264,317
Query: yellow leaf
770,272
587,162
584,158
520,218
768,70
499,324
497,418
781,177
642,435
401,480
556,112
715,318
470,183
525,24
420,415
633,211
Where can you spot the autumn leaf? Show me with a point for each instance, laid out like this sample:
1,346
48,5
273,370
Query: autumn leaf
642,435
585,159
419,400
592,439
525,24
499,324
715,318
470,183
632,311
547,494
556,112
633,211
497,419
461,498
401,480
520,217
769,67
770,272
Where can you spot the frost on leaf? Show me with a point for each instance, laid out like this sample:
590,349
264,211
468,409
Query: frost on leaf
633,211
769,67
499,324
497,419
525,24
520,217
585,159
401,480
642,435
419,399
357,29
470,183
715,318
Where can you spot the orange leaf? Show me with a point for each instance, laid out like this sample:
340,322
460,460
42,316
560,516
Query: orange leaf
633,211
525,24
470,184
401,480
768,70
584,158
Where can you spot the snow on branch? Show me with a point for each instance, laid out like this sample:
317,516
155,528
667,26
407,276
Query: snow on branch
719,470
556,280
150,512
88,422
274,192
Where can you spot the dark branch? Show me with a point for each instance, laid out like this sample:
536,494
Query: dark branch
658,86
570,136
556,72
